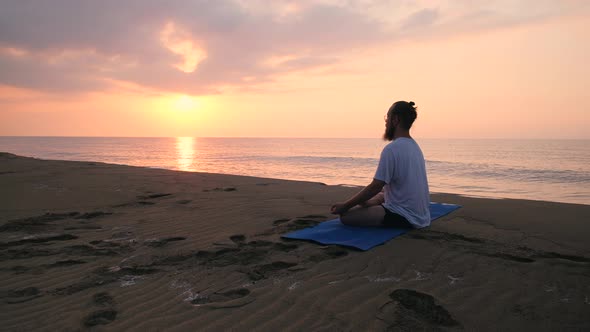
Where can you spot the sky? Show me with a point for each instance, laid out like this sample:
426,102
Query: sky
325,68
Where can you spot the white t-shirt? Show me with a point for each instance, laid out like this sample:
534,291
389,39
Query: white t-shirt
403,169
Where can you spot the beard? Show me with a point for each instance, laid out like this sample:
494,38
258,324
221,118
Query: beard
389,133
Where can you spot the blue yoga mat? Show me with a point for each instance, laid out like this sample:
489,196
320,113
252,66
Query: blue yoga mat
364,238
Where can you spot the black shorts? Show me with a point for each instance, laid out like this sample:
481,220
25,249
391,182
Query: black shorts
393,219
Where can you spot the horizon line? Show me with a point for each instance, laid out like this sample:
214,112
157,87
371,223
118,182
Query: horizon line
291,137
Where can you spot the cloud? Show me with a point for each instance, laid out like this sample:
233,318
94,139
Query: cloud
196,47
423,18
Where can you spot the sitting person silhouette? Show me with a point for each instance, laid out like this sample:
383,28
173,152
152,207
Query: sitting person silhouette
398,195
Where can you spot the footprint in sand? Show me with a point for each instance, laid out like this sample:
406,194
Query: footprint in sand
286,247
83,227
298,224
245,253
285,225
260,244
36,223
152,196
263,271
231,256
163,241
86,250
228,299
314,216
238,239
113,244
19,269
104,276
92,215
556,255
35,239
23,253
330,252
103,299
226,189
280,221
65,263
421,275
21,295
509,257
411,310
449,237
141,202
122,235
100,317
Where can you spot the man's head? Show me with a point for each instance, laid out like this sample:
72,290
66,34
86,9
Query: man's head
401,116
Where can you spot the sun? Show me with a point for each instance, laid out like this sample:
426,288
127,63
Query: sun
186,103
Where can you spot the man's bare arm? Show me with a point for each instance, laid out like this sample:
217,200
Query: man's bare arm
376,200
364,195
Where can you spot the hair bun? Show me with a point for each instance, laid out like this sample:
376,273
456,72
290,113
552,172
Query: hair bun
412,103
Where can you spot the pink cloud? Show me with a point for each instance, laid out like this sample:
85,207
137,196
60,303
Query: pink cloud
73,45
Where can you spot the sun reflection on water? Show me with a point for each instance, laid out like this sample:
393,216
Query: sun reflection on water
185,153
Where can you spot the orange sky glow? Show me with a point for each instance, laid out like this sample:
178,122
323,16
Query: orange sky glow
509,69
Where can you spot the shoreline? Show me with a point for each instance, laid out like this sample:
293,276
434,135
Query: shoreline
359,186
86,244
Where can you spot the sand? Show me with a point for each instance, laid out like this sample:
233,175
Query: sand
87,245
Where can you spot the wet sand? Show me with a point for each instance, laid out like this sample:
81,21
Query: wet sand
97,246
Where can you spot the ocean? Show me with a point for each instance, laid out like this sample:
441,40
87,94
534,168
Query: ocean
548,170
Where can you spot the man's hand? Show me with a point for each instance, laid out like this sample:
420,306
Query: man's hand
339,208
364,195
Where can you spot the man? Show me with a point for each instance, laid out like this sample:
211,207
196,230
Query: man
398,195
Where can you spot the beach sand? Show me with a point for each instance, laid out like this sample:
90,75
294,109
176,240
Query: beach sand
111,247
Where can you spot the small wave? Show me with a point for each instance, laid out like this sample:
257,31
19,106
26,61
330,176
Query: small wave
496,171
349,185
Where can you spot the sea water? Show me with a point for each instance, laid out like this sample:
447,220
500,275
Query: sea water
549,170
